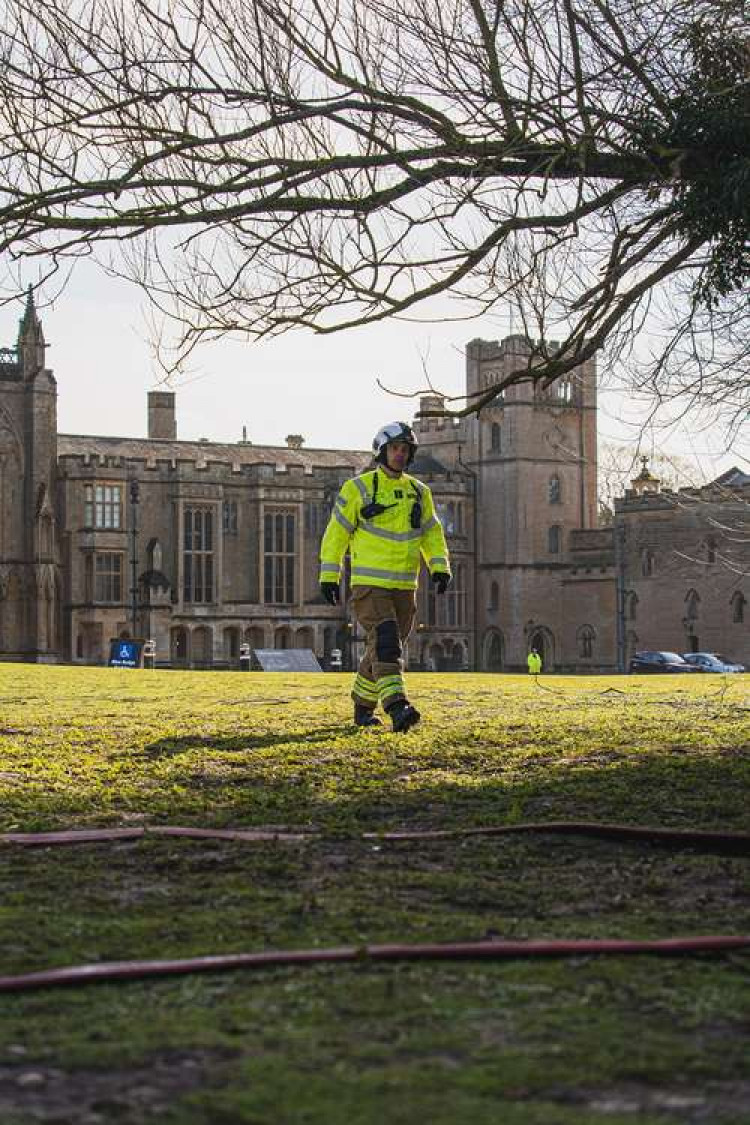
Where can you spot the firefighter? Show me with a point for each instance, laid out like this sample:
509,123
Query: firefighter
386,520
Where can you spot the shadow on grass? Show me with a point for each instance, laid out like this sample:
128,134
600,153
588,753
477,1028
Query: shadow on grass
185,744
351,793
363,783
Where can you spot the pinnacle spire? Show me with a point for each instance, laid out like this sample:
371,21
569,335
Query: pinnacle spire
29,318
31,342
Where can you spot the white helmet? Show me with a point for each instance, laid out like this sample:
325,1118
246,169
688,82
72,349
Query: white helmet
394,431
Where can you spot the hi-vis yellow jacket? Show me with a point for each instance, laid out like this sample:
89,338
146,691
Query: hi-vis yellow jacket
385,549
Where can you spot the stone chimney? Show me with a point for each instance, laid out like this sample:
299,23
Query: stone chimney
425,419
162,425
431,404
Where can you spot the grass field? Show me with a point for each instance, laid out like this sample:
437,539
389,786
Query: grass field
577,1041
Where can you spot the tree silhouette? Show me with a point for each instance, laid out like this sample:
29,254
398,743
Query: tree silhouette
261,165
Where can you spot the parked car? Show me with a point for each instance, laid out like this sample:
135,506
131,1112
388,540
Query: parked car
660,662
712,662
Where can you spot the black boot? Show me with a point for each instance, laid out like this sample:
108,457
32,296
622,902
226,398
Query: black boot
364,716
403,716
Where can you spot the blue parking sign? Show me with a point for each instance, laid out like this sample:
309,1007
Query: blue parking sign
125,654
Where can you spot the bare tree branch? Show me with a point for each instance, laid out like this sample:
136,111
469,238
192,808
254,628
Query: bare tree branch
263,165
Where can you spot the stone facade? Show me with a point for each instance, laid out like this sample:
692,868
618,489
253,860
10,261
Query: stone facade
30,573
205,546
684,567
540,571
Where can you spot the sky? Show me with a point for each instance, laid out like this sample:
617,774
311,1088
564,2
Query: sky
323,387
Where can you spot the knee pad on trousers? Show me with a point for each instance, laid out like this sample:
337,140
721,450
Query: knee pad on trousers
388,642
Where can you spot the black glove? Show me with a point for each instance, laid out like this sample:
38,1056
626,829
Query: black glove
331,592
441,580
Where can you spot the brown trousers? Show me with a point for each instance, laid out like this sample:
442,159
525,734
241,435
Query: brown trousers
375,607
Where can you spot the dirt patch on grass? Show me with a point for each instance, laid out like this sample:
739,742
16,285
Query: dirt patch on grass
716,1102
31,1093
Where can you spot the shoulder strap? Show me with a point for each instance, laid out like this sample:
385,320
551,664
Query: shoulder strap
416,486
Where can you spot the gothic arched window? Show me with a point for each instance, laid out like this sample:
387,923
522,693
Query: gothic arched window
586,636
495,440
692,603
738,603
554,490
198,555
554,539
494,596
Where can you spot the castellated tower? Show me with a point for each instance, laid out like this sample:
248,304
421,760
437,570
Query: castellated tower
530,461
29,566
537,452
534,451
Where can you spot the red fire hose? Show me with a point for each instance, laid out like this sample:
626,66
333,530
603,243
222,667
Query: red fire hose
734,842
737,843
458,951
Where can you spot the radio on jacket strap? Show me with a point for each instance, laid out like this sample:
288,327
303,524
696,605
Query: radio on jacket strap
375,508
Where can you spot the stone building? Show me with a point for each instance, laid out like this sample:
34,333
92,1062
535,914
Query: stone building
204,546
30,574
539,572
684,567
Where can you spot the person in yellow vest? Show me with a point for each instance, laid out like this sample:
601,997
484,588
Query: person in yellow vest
534,662
386,520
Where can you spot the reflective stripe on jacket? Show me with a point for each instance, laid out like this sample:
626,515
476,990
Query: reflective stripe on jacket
385,549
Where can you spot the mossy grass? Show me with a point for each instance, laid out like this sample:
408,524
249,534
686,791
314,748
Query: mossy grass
584,1041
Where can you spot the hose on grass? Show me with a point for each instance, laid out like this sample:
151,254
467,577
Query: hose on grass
720,692
454,951
733,843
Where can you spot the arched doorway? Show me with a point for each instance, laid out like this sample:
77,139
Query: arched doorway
90,643
303,638
202,645
179,645
494,651
231,644
255,637
542,640
282,638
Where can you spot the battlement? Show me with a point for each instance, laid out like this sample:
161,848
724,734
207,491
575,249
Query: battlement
489,362
219,461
